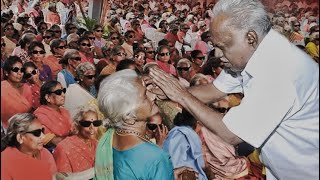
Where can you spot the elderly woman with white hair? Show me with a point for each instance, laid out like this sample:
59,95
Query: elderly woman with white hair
127,104
76,154
185,71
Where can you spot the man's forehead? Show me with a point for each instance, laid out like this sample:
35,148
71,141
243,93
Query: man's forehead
220,33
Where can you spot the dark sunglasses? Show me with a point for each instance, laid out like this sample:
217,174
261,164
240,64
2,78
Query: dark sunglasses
183,68
76,58
36,132
47,37
165,54
90,76
92,38
59,91
152,126
28,75
201,58
297,25
121,54
150,52
72,28
85,44
9,29
222,110
114,38
61,47
43,28
3,44
58,32
131,36
99,30
95,123
16,69
37,52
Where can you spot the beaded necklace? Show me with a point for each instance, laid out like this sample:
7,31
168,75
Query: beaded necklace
125,132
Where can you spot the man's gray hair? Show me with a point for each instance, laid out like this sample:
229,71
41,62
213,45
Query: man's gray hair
244,15
118,95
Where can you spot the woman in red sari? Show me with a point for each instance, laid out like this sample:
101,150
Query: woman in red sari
58,48
77,153
55,119
15,95
24,156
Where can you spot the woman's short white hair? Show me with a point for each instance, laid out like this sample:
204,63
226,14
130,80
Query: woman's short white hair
81,111
118,95
244,15
83,68
184,60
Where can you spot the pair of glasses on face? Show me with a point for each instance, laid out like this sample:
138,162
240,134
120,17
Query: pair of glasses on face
61,47
183,68
57,32
121,54
152,126
201,58
90,76
59,91
9,29
96,123
165,54
99,30
47,37
130,36
92,38
115,37
297,25
85,44
76,58
28,75
72,28
38,52
37,132
222,110
44,28
3,44
16,69
150,52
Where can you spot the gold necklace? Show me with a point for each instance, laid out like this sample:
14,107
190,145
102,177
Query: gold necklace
125,132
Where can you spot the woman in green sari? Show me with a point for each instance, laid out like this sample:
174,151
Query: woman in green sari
124,151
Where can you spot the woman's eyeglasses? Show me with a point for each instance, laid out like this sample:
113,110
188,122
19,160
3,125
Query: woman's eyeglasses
36,132
61,47
92,38
59,91
222,109
28,75
152,126
183,68
95,123
99,30
57,32
90,76
85,44
76,58
165,54
121,54
16,69
115,37
73,27
130,36
3,44
150,52
37,52
47,37
201,58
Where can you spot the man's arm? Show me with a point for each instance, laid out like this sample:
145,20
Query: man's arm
207,93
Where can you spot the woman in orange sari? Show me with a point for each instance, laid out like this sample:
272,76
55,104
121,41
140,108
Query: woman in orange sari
24,156
55,119
15,95
77,153
58,48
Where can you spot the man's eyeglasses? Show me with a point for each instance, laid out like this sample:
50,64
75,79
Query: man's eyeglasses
76,58
59,91
201,58
90,76
37,132
28,75
183,68
121,54
165,54
115,37
85,44
38,52
95,123
3,44
16,69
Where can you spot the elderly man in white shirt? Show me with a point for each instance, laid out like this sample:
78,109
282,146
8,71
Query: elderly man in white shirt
279,113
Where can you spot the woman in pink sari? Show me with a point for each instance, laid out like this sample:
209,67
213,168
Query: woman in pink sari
55,119
77,153
163,60
15,95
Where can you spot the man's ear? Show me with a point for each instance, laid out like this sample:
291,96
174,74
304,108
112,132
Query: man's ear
252,38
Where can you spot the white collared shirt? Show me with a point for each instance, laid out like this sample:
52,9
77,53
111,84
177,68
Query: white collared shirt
280,109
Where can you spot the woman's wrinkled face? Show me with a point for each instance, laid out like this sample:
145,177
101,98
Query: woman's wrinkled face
139,59
38,54
30,141
89,77
16,73
85,46
164,55
91,131
184,70
54,98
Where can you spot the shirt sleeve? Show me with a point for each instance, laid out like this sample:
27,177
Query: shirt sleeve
227,84
262,109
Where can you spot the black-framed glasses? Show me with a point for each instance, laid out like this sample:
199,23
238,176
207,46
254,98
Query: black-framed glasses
222,109
16,69
115,37
3,44
131,36
297,25
47,37
73,27
61,47
150,52
183,68
59,91
121,54
76,58
28,75
85,44
96,123
153,126
57,32
9,29
99,30
38,52
165,54
92,38
201,58
36,132
90,76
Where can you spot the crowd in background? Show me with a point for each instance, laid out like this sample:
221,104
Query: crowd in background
52,64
